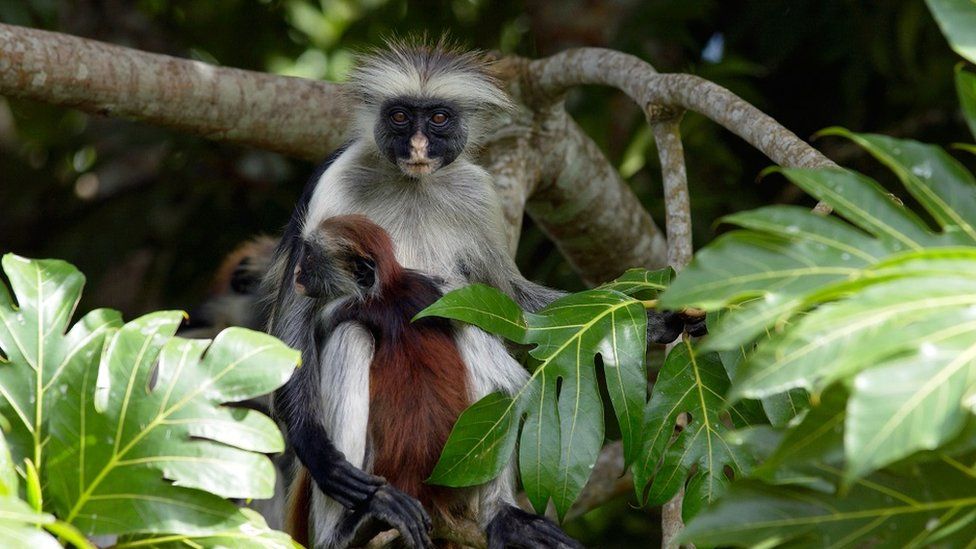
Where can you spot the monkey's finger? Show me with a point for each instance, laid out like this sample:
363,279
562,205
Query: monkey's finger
350,490
412,531
419,512
548,534
412,506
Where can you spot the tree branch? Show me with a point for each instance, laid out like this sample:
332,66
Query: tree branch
289,115
677,203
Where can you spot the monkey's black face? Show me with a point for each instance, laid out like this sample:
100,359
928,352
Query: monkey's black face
420,136
324,273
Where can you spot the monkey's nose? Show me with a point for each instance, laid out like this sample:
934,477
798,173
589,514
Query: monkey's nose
299,287
418,147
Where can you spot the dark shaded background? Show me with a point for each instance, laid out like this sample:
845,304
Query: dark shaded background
147,214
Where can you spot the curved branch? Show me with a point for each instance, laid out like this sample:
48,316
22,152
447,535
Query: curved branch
553,76
289,115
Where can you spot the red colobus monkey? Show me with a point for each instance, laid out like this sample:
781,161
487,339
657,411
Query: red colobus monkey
415,380
420,112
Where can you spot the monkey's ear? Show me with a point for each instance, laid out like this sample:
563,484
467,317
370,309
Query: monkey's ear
364,271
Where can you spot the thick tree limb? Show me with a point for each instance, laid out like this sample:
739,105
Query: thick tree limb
289,115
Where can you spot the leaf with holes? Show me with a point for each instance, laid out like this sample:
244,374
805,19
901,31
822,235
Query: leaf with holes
561,404
144,441
694,384
127,425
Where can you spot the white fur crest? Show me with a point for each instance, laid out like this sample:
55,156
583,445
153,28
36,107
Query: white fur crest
418,69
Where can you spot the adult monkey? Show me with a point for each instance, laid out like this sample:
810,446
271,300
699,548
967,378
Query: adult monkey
420,112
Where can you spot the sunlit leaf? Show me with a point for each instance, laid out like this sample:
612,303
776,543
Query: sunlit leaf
19,525
957,19
128,428
251,533
882,303
149,431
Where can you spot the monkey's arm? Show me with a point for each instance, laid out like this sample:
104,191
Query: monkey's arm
332,389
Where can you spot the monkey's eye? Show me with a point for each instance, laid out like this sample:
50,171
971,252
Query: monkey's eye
398,117
439,118
364,271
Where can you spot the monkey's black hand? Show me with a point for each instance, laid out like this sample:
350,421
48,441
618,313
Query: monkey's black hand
666,326
514,528
386,509
344,482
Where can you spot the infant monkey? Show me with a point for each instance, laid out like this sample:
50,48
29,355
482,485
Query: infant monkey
418,385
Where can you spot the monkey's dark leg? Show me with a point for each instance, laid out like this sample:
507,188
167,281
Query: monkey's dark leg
517,529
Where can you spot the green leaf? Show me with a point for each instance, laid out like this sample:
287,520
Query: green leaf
252,532
689,383
125,428
8,474
882,303
540,448
19,525
803,450
563,430
940,183
483,306
966,90
957,19
35,351
933,506
481,443
641,283
149,432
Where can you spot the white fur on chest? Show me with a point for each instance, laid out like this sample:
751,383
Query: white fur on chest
431,229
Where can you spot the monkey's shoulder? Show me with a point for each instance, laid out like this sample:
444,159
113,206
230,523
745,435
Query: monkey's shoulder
391,312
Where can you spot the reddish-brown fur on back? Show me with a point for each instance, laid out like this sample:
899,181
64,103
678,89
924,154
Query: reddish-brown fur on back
418,381
418,387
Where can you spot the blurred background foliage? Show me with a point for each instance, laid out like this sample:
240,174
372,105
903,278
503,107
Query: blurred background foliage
148,214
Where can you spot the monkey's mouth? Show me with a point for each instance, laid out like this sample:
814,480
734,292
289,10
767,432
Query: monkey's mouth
417,168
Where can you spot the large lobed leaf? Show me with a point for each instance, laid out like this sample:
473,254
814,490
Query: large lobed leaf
563,430
128,425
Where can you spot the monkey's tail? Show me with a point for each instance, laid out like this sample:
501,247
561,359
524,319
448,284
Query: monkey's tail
299,506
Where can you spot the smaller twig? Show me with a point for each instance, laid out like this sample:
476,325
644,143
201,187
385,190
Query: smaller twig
677,204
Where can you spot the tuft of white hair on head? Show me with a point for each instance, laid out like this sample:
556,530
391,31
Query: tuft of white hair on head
417,67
